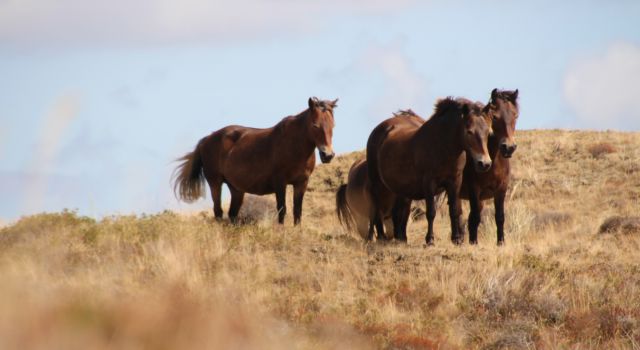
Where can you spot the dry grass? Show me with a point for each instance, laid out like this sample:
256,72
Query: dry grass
601,149
169,281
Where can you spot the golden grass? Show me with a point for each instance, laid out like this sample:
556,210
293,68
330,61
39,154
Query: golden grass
166,281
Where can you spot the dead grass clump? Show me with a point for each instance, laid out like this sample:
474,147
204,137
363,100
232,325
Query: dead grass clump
42,225
550,218
257,209
621,225
515,335
603,323
599,150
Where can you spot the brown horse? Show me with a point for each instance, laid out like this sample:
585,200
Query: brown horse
419,162
259,161
479,186
354,204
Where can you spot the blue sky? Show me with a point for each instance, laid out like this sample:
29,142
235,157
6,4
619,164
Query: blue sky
97,99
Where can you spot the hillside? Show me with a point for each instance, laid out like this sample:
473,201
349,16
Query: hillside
172,281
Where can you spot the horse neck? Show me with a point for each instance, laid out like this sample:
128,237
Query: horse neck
295,135
493,146
444,136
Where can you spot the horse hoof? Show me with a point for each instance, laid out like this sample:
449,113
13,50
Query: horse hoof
500,243
473,242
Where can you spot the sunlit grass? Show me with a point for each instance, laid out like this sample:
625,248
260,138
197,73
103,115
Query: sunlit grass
175,281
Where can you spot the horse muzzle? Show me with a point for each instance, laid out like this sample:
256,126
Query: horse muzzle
507,150
482,166
326,157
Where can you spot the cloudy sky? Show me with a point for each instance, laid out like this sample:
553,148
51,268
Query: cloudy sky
97,98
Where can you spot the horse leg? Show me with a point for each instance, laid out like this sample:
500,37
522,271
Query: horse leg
381,233
461,228
379,225
281,192
397,222
452,196
298,196
216,193
475,216
401,212
236,202
498,202
431,215
371,229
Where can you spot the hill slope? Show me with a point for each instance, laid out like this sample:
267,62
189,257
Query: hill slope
170,281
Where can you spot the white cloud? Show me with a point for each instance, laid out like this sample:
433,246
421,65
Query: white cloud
72,23
603,91
404,86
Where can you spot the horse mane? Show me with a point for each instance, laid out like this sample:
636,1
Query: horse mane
288,120
444,107
325,104
507,95
405,113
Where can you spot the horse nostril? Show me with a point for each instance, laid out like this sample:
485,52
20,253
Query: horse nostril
513,148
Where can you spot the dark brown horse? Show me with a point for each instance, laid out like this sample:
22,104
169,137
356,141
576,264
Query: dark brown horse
479,186
354,202
420,161
259,161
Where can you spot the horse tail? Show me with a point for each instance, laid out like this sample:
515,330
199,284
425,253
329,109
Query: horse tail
342,207
373,143
189,182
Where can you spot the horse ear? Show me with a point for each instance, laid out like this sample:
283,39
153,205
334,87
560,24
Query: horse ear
494,95
514,96
312,103
465,110
334,103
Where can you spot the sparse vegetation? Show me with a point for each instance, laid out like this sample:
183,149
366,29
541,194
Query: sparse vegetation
186,281
600,149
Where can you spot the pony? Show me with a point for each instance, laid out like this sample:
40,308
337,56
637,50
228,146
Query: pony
479,186
354,203
421,161
259,161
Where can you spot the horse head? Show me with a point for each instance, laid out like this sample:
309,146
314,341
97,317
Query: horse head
476,135
503,110
320,126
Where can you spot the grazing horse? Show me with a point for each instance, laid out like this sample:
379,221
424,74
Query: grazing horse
259,161
420,161
354,204
479,186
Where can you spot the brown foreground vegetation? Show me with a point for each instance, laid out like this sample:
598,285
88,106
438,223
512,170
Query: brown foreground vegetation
169,281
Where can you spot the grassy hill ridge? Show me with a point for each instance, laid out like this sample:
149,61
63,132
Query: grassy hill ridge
173,281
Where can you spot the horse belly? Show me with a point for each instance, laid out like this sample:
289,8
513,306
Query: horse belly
248,172
397,172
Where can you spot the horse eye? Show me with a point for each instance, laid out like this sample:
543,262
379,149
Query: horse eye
317,126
